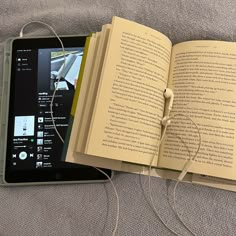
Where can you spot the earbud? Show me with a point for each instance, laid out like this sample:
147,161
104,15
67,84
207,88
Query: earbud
168,94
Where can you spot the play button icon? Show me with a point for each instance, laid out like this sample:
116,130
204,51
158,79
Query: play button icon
23,155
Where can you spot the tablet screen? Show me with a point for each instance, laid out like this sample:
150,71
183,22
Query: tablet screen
34,149
34,140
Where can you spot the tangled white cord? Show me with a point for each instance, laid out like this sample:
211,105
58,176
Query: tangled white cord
151,162
53,120
55,90
179,179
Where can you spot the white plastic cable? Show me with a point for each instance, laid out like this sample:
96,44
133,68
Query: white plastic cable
149,185
55,90
53,121
117,202
181,176
183,173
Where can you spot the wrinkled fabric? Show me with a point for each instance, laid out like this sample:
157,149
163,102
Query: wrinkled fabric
90,209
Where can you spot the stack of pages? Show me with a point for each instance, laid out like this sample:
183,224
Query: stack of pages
119,104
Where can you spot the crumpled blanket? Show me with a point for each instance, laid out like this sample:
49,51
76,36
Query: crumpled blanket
90,209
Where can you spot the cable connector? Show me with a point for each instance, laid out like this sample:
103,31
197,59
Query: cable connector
185,170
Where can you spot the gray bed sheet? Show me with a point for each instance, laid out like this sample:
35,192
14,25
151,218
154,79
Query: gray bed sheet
89,209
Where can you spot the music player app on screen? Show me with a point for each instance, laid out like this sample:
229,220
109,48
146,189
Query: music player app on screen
35,145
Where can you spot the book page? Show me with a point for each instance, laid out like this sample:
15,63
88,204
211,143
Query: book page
78,105
130,103
202,76
91,79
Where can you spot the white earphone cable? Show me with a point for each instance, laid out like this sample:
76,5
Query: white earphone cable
117,202
151,162
175,187
63,49
53,121
149,185
190,159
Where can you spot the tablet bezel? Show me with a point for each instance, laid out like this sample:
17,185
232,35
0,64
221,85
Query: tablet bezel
59,175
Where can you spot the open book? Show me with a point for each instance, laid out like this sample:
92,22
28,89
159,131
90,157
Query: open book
120,107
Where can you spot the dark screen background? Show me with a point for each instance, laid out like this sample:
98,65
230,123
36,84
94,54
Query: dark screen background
34,86
33,148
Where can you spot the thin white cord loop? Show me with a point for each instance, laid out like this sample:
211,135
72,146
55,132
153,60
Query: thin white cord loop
53,121
149,184
174,193
55,90
151,162
199,134
117,201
